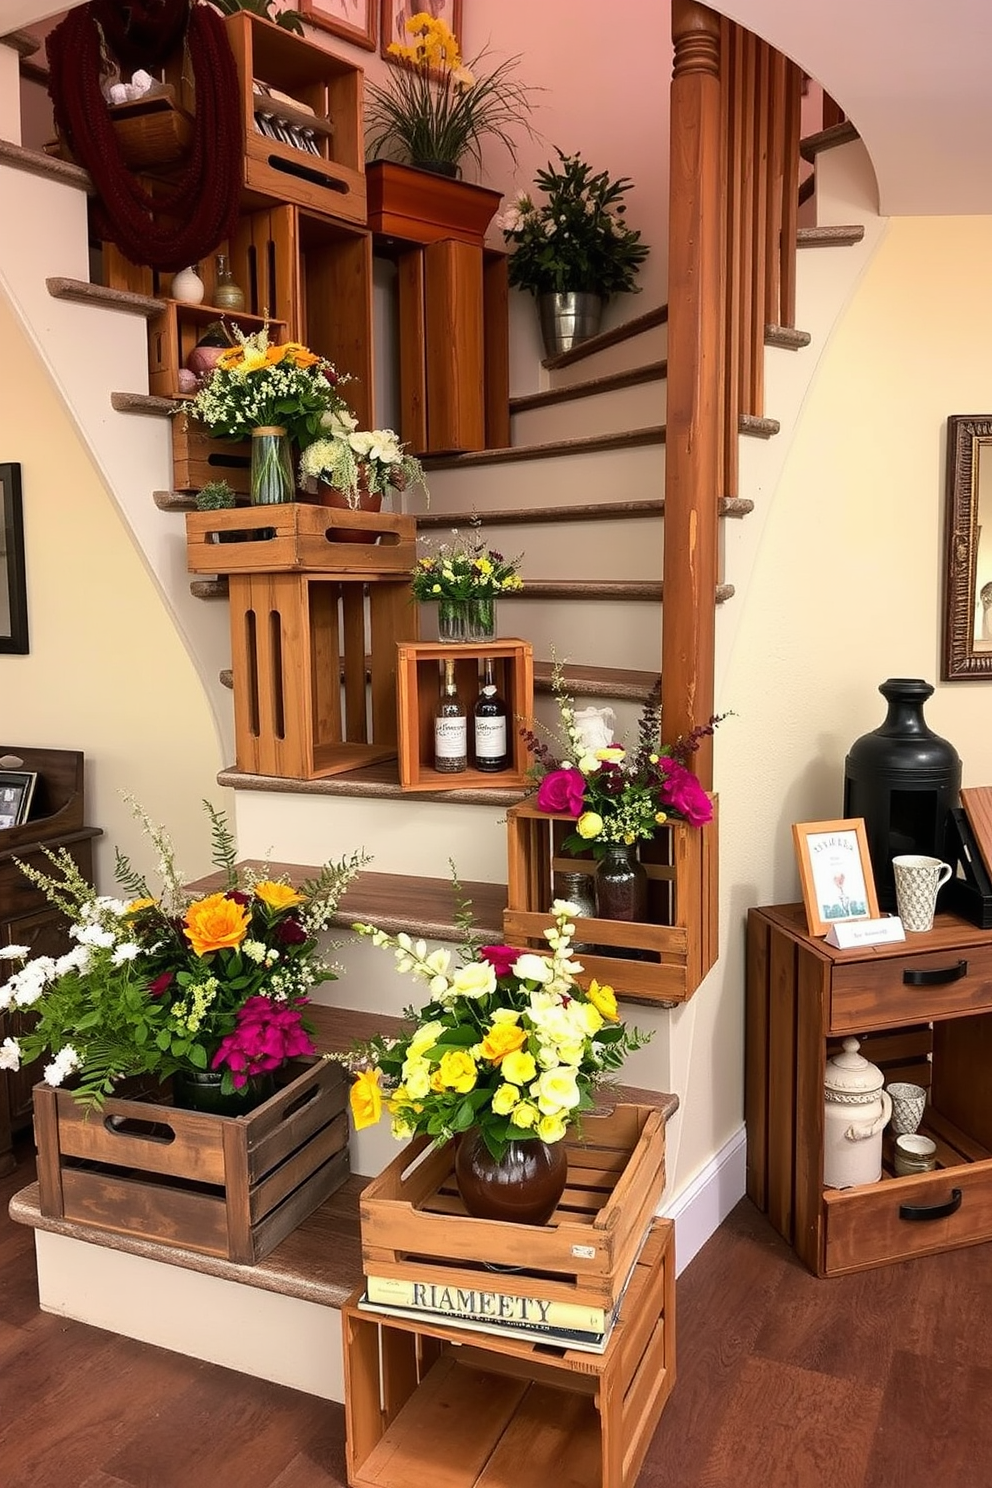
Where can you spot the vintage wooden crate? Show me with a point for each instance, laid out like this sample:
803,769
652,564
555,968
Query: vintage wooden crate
419,670
667,958
198,459
174,333
314,661
414,1223
296,537
425,1403
219,1185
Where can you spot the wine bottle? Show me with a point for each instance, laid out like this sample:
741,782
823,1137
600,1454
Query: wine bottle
450,727
490,715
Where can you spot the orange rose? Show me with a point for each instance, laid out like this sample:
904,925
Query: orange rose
277,895
502,1039
215,924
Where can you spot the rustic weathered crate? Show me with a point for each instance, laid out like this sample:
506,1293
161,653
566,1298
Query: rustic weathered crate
417,687
663,960
314,661
219,1185
296,537
177,329
426,1403
198,459
414,1223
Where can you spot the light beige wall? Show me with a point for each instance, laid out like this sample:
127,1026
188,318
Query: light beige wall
107,672
846,591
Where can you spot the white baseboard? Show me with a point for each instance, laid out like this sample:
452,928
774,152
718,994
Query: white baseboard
702,1207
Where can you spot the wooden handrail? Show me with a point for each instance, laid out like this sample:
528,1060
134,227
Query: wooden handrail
734,182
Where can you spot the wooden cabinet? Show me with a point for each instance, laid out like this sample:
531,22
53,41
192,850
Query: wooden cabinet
922,1009
26,917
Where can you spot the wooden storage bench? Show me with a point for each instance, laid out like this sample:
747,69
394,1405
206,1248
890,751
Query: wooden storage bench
425,1405
661,961
221,1185
414,1223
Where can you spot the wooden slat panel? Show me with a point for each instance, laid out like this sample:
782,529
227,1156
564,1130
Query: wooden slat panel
747,112
412,350
756,343
733,84
808,1119
778,121
790,198
756,1059
781,1082
454,338
496,327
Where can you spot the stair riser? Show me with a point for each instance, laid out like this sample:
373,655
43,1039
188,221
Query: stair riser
598,413
605,633
605,475
633,352
620,549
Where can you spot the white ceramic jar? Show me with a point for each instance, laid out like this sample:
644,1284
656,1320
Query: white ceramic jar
855,1111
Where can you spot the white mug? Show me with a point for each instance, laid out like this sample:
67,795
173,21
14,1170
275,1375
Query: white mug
918,879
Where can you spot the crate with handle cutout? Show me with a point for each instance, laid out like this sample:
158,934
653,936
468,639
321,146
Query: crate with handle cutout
297,537
672,952
220,1185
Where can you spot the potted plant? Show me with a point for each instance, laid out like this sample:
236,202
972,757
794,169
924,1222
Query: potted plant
434,109
465,580
505,1057
275,395
210,989
573,251
355,468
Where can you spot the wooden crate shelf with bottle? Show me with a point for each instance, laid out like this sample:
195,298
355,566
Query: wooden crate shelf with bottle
173,335
314,663
301,111
429,1403
420,683
661,960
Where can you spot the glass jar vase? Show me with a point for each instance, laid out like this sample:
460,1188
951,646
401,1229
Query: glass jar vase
472,620
271,480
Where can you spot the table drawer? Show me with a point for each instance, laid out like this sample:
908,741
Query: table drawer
864,1227
885,991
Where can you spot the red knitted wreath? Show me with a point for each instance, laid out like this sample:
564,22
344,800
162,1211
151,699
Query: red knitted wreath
185,219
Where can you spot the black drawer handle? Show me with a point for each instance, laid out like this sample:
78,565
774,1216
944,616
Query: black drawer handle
932,1211
937,977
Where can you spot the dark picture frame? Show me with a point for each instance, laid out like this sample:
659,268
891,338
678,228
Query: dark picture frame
967,648
393,15
352,20
13,582
16,792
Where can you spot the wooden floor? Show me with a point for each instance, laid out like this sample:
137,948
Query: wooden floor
882,1380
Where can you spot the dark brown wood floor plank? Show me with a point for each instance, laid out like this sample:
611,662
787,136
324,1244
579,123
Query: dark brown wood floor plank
935,1427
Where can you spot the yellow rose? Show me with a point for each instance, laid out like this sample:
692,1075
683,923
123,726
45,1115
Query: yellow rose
604,1000
612,756
518,1067
458,1071
137,905
417,1077
524,1116
215,924
366,1099
501,1040
425,1038
277,895
589,825
552,1128
556,1090
504,1100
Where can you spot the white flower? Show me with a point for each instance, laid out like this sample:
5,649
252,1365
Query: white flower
78,959
477,979
339,422
10,1054
92,935
14,952
126,951
556,1090
532,968
65,1061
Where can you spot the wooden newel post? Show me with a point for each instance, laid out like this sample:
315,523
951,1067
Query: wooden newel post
695,342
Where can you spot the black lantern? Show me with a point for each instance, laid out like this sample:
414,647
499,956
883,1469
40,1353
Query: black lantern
903,780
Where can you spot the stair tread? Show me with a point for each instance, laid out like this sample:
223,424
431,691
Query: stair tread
37,163
584,512
22,42
176,501
830,237
596,681
827,139
378,781
584,445
629,589
82,292
787,337
142,403
610,382
630,328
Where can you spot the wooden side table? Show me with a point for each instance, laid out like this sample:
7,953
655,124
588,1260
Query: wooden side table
922,1010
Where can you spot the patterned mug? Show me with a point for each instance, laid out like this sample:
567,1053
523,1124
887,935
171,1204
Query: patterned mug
918,879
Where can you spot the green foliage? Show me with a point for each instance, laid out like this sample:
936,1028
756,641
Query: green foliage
215,496
290,20
577,241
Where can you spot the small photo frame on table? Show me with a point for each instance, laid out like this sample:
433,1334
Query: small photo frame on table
16,790
395,14
835,869
352,20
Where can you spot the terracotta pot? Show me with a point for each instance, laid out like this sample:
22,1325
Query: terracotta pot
368,501
524,1187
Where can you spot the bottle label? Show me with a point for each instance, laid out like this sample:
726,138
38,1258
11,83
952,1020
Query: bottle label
450,738
490,738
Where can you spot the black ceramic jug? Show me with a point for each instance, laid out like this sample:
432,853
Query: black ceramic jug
903,779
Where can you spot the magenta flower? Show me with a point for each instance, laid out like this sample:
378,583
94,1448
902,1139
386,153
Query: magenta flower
290,932
265,1036
161,984
562,790
501,958
683,792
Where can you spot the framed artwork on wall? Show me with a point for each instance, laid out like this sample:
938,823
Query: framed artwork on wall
352,20
396,13
835,869
967,650
13,585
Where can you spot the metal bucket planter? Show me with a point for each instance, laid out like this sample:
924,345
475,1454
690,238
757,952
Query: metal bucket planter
568,319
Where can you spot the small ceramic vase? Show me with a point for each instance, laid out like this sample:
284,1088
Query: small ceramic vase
187,286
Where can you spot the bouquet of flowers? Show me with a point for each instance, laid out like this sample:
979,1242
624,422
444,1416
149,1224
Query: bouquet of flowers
257,385
174,981
435,109
615,795
578,239
457,570
346,457
508,1043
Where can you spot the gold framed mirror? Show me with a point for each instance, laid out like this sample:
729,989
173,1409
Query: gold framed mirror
967,649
